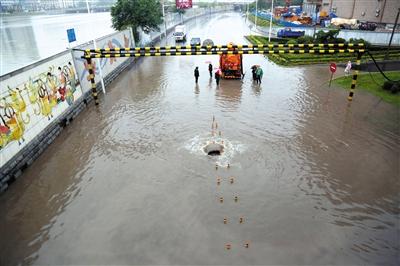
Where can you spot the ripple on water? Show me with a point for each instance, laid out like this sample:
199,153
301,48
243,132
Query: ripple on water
231,148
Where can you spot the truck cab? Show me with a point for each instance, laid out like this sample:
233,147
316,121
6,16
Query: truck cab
180,33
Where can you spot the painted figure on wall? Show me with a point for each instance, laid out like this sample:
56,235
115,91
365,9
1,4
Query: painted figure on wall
38,97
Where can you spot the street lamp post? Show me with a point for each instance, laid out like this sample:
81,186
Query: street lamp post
391,36
255,18
316,19
97,59
247,11
165,23
270,22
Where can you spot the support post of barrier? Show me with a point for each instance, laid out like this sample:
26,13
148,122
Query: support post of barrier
91,76
355,76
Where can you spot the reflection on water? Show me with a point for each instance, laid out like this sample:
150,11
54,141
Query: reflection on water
129,183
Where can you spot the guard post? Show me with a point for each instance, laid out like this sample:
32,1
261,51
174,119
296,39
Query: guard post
91,77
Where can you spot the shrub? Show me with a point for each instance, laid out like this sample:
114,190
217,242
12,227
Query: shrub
340,40
355,40
326,37
291,42
305,39
391,86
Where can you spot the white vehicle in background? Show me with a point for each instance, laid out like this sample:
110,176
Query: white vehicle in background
180,33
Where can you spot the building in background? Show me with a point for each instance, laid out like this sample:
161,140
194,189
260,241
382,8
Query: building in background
380,11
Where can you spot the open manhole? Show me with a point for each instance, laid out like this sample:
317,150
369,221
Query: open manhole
214,149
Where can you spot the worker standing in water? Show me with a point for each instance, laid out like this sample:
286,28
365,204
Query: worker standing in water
210,68
196,74
259,74
217,76
253,71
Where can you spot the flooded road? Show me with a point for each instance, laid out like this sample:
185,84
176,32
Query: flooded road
317,178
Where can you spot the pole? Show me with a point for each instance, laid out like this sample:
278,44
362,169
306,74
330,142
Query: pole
165,22
391,36
103,87
255,19
316,18
330,81
270,22
355,75
247,12
91,76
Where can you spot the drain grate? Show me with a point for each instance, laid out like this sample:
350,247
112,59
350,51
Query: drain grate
214,149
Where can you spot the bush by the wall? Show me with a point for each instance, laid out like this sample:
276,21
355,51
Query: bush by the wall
305,40
355,40
391,86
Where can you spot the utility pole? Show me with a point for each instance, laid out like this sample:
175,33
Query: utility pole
270,22
391,37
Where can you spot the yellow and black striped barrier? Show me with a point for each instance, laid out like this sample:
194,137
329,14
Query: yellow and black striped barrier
92,82
329,48
355,75
220,52
149,49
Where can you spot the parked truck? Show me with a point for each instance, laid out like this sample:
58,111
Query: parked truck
288,32
180,33
231,65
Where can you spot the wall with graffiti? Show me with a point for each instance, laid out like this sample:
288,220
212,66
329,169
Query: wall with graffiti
31,100
119,39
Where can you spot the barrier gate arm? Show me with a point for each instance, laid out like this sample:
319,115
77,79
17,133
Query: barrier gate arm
330,48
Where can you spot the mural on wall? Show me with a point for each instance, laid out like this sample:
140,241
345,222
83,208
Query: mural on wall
42,94
120,40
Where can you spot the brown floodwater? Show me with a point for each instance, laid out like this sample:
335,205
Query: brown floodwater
316,177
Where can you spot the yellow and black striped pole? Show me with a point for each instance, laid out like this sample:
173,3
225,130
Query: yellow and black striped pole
355,75
92,82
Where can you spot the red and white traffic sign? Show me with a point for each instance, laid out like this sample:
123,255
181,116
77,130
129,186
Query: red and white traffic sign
332,67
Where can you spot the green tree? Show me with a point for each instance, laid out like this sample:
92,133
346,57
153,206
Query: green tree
146,14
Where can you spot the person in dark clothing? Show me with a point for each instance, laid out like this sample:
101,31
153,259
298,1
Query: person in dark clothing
210,69
196,74
217,77
253,71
